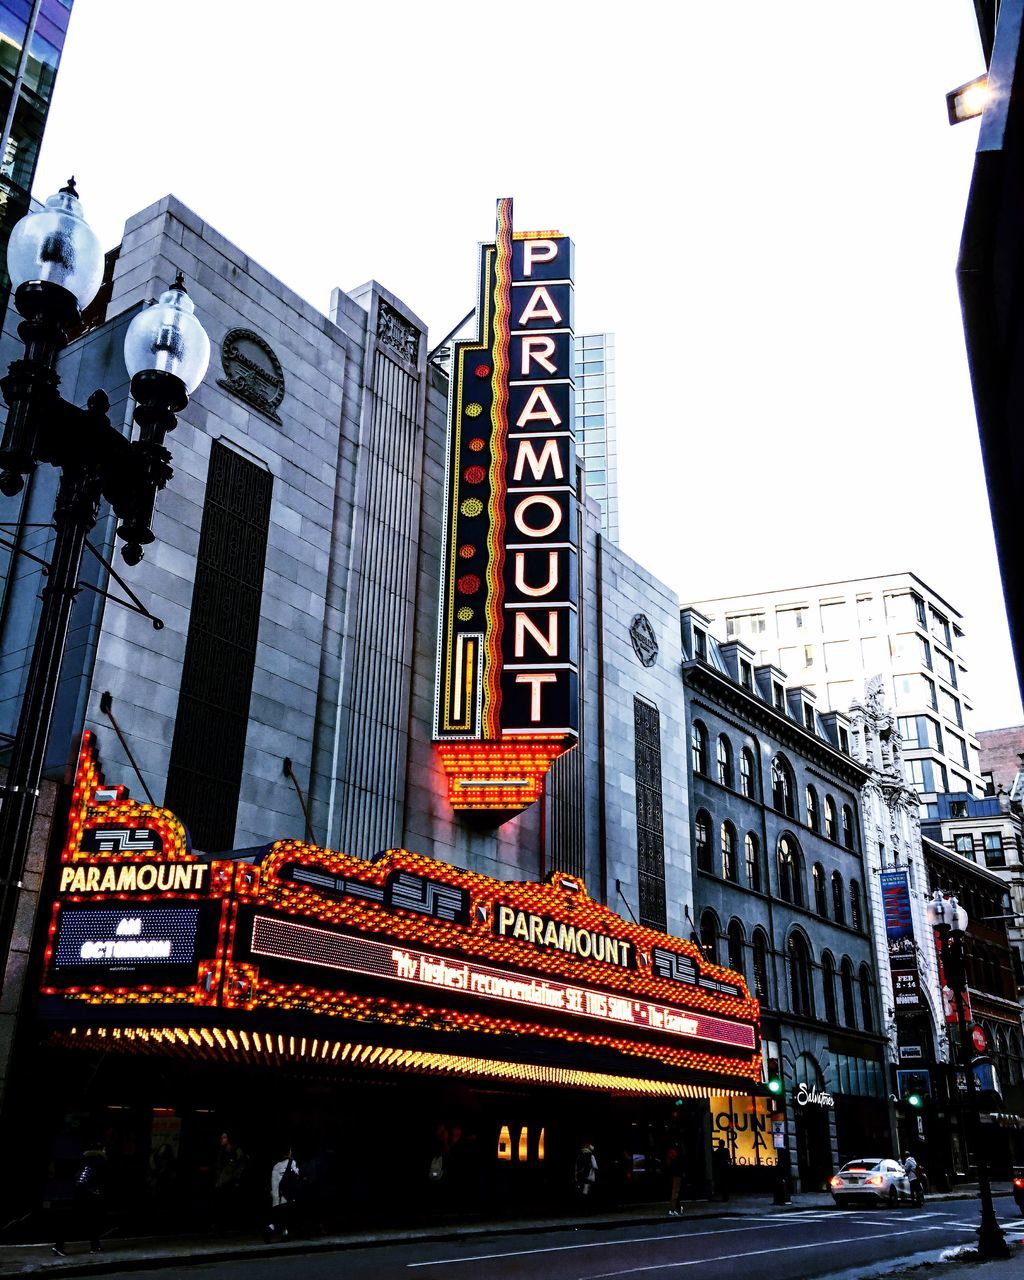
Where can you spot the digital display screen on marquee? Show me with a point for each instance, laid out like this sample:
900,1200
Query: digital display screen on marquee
429,949
286,940
126,938
507,696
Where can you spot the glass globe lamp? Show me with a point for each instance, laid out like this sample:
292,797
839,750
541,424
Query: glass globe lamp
168,338
56,246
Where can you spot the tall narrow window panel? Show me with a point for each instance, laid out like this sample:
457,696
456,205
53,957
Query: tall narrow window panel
650,823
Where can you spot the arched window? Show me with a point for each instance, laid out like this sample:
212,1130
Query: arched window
856,918
831,826
820,896
762,987
782,787
801,992
699,748
838,898
791,887
828,981
846,982
848,826
867,1016
735,936
709,935
753,858
813,817
702,840
724,757
747,773
729,868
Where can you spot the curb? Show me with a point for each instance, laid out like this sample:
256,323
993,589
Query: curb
142,1261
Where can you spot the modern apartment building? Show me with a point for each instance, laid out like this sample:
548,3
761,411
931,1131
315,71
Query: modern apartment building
596,446
833,636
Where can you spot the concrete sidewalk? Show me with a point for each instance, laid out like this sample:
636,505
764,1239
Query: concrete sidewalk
184,1250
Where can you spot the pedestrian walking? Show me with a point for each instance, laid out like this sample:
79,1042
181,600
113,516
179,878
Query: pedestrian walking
232,1164
721,1168
585,1174
84,1217
673,1166
913,1172
285,1188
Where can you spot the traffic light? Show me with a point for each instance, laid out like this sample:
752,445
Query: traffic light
914,1088
774,1078
914,1100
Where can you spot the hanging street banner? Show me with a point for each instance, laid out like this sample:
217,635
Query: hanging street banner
507,690
899,933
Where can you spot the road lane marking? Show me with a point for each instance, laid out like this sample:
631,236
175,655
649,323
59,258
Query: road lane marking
780,1220
730,1257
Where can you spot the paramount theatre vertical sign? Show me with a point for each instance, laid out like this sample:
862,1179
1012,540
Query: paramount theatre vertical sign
506,702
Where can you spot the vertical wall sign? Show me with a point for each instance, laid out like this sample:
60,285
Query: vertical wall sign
899,933
506,696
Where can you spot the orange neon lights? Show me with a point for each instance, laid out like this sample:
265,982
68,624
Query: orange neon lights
497,775
605,982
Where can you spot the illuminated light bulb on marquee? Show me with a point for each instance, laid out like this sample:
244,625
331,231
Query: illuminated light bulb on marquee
507,693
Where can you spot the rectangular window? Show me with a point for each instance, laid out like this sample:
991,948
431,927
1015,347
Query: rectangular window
947,668
920,731
865,611
204,775
995,854
808,655
919,613
746,675
808,717
744,624
778,696
940,627
951,707
871,653
790,621
700,644
958,749
929,693
841,693
650,823
844,740
837,656
925,650
964,844
898,611
834,617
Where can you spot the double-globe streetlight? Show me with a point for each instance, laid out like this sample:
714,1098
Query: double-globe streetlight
949,921
56,267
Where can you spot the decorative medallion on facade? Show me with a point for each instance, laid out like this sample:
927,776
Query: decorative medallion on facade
506,702
397,333
645,642
253,372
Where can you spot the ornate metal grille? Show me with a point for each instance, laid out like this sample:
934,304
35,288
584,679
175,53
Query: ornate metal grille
650,822
205,771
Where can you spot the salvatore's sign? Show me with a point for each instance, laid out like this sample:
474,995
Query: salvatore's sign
507,693
402,941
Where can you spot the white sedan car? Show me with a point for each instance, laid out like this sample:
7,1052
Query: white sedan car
875,1179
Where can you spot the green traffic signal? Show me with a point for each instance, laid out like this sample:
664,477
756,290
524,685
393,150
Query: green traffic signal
775,1086
914,1100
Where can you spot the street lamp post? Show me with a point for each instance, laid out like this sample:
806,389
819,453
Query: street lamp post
949,920
56,267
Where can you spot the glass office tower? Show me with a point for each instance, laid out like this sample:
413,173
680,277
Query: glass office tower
32,36
595,425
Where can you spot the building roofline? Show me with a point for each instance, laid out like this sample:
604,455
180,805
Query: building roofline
837,582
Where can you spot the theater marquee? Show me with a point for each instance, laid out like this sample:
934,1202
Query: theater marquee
163,949
506,701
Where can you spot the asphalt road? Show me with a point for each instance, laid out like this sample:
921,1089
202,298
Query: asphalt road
814,1242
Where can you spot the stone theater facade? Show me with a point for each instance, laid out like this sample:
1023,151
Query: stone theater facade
338,886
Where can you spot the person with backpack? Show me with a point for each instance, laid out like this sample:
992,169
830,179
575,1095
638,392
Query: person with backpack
285,1189
87,1201
910,1168
585,1174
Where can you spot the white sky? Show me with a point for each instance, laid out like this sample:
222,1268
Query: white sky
766,201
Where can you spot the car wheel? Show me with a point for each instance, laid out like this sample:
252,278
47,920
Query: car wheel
894,1197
